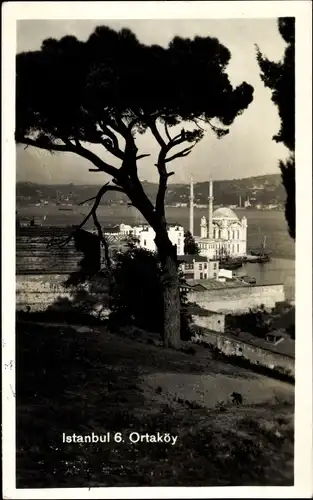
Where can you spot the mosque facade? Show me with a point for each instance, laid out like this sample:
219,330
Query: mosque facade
222,233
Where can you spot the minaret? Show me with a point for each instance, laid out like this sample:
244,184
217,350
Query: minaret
191,216
210,213
203,228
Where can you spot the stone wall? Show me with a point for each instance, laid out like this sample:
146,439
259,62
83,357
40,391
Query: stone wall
238,299
33,256
212,320
39,291
254,354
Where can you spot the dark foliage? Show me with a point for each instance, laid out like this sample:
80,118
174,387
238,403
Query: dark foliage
190,246
89,244
288,173
291,330
280,78
113,76
136,292
256,322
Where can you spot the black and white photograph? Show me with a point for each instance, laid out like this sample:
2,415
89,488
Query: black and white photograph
156,180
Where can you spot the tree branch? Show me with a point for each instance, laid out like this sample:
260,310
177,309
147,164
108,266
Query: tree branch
184,136
100,164
167,132
113,148
97,199
220,132
109,188
44,145
105,129
180,154
197,124
143,156
156,133
178,139
69,147
114,151
103,240
161,166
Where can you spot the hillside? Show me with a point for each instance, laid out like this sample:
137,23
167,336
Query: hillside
75,381
261,189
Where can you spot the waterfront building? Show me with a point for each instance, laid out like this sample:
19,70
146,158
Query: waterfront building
197,267
222,233
145,236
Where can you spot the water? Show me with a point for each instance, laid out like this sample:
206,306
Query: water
270,223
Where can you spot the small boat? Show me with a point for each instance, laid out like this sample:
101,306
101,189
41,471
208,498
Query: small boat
248,279
260,255
230,264
65,208
262,259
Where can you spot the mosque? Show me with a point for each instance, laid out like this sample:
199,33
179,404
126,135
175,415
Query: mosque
222,233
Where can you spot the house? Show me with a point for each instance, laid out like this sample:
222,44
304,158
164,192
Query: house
146,235
198,267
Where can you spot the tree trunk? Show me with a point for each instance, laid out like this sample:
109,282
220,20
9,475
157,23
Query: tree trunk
171,295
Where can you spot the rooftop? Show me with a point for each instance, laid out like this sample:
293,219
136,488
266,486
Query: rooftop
195,309
111,229
190,258
43,231
286,347
213,284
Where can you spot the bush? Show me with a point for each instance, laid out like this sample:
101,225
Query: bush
136,296
257,322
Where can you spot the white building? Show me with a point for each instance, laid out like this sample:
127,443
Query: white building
222,233
146,235
198,267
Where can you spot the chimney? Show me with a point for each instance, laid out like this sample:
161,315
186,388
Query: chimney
191,215
210,213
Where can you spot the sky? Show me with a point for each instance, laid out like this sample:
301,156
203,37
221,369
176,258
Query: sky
248,150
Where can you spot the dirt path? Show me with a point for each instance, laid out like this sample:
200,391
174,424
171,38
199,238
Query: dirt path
209,390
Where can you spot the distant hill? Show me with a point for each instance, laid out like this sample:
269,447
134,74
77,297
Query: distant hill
263,189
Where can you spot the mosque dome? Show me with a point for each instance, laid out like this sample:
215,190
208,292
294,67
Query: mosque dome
224,213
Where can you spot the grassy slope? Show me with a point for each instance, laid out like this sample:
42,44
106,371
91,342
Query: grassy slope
83,382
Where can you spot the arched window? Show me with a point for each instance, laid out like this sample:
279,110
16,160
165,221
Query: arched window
233,235
238,235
